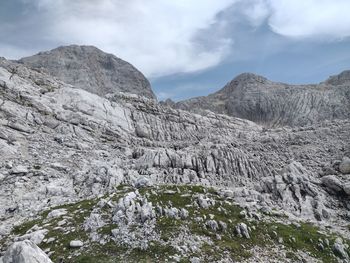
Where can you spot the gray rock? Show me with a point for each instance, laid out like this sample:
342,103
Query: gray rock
332,183
25,252
146,212
93,222
36,237
172,212
223,226
143,182
20,169
195,260
242,230
212,224
344,166
183,213
203,202
76,244
57,213
339,249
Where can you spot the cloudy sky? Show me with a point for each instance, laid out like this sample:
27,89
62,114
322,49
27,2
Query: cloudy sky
190,47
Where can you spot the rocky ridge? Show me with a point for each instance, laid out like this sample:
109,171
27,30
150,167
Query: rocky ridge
273,104
99,174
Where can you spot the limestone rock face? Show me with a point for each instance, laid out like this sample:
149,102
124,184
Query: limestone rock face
61,144
25,252
275,104
91,69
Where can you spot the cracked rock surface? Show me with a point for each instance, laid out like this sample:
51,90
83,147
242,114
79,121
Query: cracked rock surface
121,172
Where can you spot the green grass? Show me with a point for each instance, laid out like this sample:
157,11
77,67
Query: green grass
305,238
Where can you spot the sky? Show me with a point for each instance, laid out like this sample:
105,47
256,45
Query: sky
190,48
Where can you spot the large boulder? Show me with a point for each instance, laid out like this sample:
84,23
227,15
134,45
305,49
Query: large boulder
24,252
332,183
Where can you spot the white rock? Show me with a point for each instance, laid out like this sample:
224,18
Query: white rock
143,182
212,224
36,237
344,166
183,213
242,230
57,213
76,244
339,249
25,252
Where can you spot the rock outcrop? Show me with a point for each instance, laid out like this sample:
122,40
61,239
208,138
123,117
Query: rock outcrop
273,104
24,252
91,69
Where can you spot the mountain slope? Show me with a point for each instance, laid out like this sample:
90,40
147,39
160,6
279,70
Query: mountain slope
122,178
91,69
274,104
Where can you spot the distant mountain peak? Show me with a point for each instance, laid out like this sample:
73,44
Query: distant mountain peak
89,68
250,77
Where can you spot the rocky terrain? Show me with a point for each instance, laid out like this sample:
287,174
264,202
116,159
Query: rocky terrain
94,176
272,104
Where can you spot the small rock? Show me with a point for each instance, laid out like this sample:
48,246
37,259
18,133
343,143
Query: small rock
339,249
195,260
57,213
146,212
50,240
202,202
36,237
62,222
143,182
242,230
243,214
76,244
212,224
344,166
183,213
320,246
223,226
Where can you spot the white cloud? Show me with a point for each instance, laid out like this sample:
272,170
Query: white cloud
305,18
157,36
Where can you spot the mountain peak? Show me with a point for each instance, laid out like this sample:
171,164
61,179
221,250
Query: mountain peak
89,68
249,78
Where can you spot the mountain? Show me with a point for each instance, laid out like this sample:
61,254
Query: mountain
123,178
91,69
273,104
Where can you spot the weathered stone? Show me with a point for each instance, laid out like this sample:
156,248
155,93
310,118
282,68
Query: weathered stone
212,224
332,183
57,213
344,166
76,244
25,252
242,230
339,249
